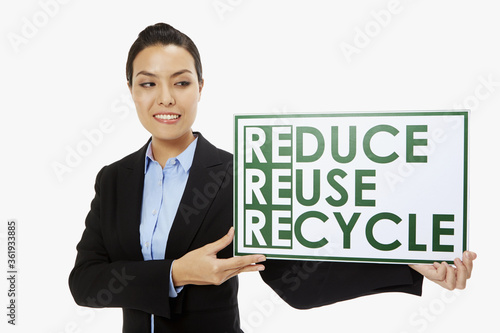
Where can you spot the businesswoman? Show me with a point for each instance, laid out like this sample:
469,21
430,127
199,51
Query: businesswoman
157,239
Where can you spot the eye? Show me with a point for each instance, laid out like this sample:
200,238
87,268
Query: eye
183,83
147,84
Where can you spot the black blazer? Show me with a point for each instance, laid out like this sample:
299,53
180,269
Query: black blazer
110,270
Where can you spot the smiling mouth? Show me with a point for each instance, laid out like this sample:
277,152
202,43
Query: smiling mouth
167,116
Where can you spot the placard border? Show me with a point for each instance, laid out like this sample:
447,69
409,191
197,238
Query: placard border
465,113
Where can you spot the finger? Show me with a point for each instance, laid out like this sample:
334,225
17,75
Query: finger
222,242
451,277
246,269
253,268
462,274
441,270
236,263
468,257
433,272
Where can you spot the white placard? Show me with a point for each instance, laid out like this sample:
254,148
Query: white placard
364,186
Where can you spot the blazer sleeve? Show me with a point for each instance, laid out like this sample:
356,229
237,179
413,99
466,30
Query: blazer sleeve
309,284
97,281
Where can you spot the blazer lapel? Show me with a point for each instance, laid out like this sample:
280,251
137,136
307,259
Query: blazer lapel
193,208
130,185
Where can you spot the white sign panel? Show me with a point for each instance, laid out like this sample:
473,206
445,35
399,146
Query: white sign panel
367,187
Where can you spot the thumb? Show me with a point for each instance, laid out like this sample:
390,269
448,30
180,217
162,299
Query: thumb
221,243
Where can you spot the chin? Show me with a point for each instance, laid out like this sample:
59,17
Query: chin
171,136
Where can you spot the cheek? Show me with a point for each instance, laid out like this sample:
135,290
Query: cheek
190,101
142,102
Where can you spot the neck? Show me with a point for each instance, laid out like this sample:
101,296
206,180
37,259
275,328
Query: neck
165,149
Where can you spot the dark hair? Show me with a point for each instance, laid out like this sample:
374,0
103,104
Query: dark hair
162,34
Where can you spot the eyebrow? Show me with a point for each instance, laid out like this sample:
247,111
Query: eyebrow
146,73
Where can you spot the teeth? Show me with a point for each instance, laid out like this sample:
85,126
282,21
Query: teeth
167,116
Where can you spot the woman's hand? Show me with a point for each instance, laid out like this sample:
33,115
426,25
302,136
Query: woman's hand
202,267
447,276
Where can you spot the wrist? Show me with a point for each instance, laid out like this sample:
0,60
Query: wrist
178,279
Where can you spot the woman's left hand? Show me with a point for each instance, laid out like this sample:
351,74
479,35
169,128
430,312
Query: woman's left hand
447,276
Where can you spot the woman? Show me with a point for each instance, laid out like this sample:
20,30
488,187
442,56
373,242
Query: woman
156,241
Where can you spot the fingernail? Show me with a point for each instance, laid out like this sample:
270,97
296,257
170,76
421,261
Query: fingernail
262,258
467,254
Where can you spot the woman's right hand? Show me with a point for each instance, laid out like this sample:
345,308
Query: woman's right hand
202,267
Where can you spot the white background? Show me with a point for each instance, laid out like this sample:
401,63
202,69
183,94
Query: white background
68,76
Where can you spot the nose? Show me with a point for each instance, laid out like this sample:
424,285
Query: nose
165,97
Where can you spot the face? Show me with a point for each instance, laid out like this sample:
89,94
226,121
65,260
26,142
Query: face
166,93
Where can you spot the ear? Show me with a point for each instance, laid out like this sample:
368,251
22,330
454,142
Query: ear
129,86
201,84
